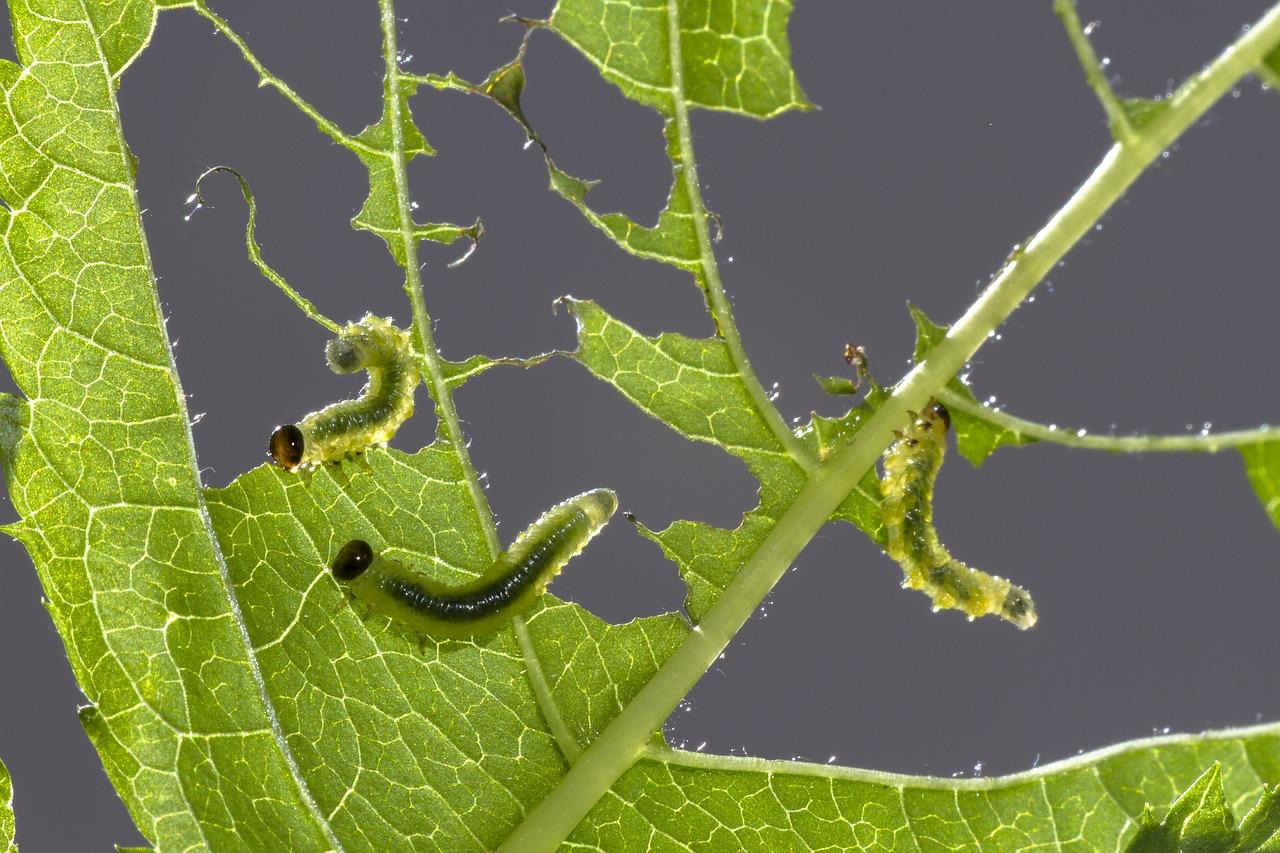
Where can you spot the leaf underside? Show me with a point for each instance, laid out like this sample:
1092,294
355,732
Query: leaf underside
238,702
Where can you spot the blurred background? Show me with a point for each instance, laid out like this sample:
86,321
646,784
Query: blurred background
948,133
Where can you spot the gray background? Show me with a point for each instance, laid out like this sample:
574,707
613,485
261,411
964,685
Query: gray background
948,133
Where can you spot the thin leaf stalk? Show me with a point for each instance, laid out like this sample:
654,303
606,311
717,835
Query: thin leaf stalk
1121,128
424,339
1207,442
626,737
950,784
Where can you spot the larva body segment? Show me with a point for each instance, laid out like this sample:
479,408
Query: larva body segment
329,435
508,587
910,468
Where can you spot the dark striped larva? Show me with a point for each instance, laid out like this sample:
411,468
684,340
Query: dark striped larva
508,587
910,467
350,426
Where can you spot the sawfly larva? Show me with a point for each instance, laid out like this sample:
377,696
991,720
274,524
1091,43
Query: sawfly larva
910,468
349,426
508,587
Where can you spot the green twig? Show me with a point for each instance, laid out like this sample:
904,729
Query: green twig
1117,118
625,738
1207,442
255,253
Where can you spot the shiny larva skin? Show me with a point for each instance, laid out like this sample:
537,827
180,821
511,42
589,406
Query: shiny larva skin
910,468
508,587
336,431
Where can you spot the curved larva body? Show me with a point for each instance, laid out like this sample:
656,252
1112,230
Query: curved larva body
508,587
349,426
910,467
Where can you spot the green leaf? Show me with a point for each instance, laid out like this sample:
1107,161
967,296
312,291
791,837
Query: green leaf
1142,111
1200,821
1260,829
1090,802
837,386
6,812
376,147
453,728
238,703
734,56
976,439
731,56
102,470
692,385
1262,466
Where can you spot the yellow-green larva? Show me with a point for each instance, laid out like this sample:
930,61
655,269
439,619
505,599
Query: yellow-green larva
336,431
910,467
508,587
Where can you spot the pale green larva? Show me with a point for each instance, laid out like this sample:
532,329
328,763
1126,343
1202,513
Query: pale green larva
341,429
910,468
508,587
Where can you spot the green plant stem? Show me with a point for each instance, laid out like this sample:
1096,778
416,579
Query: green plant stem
432,364
717,301
1068,437
624,740
1117,118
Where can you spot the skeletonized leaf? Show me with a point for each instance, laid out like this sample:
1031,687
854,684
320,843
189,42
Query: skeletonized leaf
382,210
691,385
239,704
732,56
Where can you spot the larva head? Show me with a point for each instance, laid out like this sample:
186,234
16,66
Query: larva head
938,411
352,560
286,446
347,353
1018,608
598,504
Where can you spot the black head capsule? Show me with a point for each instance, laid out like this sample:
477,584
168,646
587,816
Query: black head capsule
941,411
352,560
286,446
